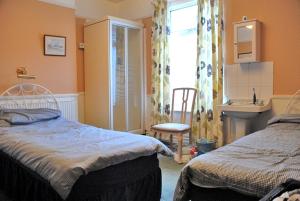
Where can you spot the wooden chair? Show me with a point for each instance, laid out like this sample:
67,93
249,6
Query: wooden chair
179,129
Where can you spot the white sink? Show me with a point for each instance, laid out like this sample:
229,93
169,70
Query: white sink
241,114
244,108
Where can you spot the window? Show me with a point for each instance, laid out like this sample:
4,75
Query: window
183,48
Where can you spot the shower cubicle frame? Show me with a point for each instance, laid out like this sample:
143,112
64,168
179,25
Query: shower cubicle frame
99,117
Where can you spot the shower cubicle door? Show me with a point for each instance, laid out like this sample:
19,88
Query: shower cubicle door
126,78
118,78
135,84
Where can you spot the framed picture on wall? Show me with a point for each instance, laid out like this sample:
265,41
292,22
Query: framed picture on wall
54,45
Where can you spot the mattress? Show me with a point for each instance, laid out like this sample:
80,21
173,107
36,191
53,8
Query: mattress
252,165
61,151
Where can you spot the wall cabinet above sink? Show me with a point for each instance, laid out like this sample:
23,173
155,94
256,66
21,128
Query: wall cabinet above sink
247,41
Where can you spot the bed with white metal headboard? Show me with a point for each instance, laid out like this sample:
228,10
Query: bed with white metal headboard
293,106
36,159
23,96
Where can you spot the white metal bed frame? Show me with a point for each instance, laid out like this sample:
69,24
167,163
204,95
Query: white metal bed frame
20,91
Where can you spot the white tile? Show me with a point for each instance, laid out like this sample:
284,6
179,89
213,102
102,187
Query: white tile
267,73
226,76
266,92
267,80
257,91
225,79
243,75
231,77
242,92
240,79
255,75
225,87
225,70
231,83
232,92
268,66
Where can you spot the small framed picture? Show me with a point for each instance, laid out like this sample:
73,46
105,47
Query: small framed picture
54,45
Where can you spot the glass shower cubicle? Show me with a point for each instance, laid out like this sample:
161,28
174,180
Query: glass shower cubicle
127,86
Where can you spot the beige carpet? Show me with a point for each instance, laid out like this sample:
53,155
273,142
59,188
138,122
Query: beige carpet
170,174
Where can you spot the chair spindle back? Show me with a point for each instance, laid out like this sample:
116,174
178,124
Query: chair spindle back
187,93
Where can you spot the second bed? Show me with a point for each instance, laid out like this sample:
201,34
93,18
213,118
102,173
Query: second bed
248,168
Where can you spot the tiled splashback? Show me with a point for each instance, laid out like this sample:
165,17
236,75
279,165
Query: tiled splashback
240,79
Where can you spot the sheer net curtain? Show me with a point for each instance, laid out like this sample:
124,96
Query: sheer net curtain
183,47
160,63
209,80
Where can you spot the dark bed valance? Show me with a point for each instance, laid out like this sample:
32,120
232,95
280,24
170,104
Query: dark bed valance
136,180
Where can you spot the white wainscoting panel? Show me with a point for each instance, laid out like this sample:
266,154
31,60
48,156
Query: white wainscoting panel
68,103
280,103
148,111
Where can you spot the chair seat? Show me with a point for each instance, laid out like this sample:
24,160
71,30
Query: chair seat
171,127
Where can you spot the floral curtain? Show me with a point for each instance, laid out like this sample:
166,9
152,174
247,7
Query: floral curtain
160,63
209,83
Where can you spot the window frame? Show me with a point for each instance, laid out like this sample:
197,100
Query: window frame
176,5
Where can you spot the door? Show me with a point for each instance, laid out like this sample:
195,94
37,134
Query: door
126,78
134,80
118,78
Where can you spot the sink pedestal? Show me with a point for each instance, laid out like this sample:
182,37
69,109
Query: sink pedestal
239,127
239,115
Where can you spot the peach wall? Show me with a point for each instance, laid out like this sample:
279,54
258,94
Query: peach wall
79,53
23,25
280,37
148,30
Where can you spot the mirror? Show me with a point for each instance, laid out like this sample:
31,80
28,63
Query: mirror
247,41
244,41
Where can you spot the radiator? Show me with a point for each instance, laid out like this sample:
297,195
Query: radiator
68,103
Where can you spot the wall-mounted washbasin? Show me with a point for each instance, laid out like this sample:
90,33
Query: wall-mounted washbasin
241,113
244,108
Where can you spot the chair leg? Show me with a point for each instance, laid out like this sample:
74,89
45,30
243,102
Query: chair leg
159,136
171,140
179,148
155,133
